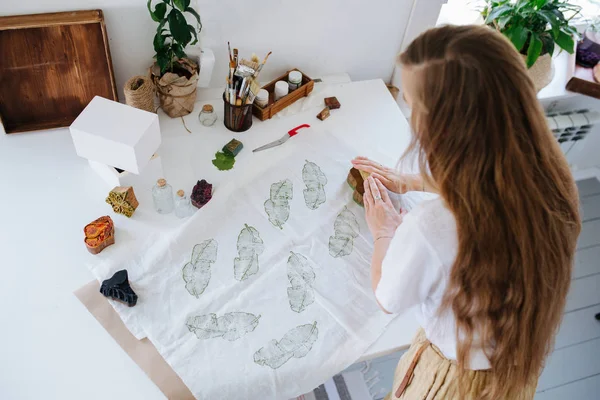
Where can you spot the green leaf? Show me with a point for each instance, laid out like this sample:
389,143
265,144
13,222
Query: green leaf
161,25
540,3
565,41
548,43
223,161
178,50
534,51
195,14
159,42
552,20
503,20
518,35
154,16
160,10
193,31
496,12
178,26
162,59
181,4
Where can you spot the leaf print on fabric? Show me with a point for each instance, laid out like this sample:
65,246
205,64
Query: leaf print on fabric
296,343
230,326
282,190
301,276
315,181
346,229
277,206
249,246
196,273
312,174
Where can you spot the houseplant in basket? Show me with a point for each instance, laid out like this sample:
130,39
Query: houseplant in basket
174,74
535,27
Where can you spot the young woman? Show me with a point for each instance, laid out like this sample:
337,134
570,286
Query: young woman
488,263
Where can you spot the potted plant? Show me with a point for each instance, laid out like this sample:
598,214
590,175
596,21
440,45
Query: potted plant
534,27
174,74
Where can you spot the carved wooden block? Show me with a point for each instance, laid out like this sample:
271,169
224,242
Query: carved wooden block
324,114
99,234
118,288
332,103
123,200
356,180
233,148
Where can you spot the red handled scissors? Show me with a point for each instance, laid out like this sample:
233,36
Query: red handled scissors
284,139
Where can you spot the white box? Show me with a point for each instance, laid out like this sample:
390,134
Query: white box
146,179
116,134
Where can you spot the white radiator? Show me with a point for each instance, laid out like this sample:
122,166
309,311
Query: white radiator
572,129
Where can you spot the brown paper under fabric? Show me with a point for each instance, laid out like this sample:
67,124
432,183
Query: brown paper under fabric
142,351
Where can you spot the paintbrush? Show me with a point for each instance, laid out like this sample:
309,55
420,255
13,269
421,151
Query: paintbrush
260,67
229,48
249,64
254,89
235,57
231,69
227,90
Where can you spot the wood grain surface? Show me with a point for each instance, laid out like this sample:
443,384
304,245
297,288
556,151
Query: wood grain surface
48,74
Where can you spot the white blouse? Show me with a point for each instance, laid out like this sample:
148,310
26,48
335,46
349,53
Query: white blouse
416,270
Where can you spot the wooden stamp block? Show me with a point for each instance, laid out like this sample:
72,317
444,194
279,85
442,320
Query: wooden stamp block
233,148
324,114
356,181
358,198
332,103
118,288
123,200
99,234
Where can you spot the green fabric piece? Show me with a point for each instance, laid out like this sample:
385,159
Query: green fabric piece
223,162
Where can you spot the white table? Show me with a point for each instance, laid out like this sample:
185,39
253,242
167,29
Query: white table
50,346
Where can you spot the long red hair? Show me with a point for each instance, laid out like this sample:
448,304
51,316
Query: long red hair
483,142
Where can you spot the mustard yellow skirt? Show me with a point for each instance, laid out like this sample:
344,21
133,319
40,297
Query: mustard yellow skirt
424,373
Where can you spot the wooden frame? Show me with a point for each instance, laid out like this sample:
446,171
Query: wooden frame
51,66
275,106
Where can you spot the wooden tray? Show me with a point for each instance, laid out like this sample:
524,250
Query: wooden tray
275,106
583,82
51,66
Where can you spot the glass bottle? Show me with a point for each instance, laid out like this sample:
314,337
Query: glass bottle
162,194
207,116
183,207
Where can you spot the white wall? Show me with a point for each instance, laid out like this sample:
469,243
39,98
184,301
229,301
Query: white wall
317,36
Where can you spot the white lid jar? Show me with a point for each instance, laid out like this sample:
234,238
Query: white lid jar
281,89
262,98
294,80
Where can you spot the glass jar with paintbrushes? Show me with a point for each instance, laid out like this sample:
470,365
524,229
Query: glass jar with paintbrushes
241,90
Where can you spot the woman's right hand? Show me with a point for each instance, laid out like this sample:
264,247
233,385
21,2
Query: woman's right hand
391,179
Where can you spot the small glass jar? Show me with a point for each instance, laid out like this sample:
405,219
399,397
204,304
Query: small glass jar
294,80
207,116
162,194
183,207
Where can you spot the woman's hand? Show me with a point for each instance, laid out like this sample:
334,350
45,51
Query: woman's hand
390,178
381,216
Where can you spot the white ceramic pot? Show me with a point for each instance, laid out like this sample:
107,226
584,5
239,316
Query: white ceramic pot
542,71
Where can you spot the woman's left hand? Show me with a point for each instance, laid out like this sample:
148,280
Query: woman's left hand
381,216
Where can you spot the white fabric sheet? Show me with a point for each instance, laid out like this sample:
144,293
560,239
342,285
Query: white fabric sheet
344,309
